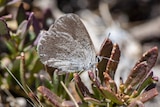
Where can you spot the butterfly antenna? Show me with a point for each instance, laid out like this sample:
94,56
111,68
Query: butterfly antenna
103,57
109,34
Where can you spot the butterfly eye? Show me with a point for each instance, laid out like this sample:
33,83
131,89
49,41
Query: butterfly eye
99,59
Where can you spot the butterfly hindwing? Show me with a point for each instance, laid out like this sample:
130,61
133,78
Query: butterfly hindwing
66,45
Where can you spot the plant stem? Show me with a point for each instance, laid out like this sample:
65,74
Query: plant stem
22,70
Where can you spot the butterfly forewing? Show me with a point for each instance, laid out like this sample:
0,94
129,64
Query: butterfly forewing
67,45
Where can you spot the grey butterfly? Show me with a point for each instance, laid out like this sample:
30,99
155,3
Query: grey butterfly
67,45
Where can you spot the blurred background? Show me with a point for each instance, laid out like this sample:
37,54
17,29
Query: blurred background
133,24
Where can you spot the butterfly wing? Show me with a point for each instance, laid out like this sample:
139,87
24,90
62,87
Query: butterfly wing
67,45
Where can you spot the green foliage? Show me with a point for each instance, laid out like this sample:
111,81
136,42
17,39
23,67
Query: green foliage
20,57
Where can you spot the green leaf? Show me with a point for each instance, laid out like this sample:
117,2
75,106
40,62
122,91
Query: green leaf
4,31
3,2
94,101
147,81
21,14
110,95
